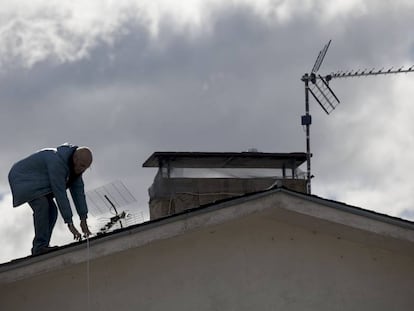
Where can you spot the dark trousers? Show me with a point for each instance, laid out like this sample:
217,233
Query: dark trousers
44,219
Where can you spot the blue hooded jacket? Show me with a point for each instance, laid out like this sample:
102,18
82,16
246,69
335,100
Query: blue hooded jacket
47,172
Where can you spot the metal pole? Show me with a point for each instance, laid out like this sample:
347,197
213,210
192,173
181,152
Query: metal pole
307,121
113,206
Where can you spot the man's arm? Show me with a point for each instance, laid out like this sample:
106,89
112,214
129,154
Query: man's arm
77,190
57,177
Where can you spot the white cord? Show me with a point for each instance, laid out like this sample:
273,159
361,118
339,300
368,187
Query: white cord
88,274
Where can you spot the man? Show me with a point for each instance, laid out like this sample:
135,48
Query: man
44,176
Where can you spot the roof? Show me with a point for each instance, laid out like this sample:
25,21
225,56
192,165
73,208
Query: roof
226,159
289,206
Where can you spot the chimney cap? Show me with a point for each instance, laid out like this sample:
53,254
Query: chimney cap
226,160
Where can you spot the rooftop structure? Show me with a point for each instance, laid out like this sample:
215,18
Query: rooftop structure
226,160
190,179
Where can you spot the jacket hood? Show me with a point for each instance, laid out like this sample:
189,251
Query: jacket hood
66,151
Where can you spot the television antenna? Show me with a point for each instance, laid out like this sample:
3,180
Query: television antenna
318,86
105,205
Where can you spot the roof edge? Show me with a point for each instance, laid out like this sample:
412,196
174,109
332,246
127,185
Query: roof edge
170,226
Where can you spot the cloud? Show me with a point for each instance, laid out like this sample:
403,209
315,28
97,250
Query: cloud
16,238
67,31
407,214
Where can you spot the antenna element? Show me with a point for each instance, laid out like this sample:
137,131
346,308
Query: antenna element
318,87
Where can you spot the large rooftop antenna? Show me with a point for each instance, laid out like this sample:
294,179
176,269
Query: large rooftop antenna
318,86
106,203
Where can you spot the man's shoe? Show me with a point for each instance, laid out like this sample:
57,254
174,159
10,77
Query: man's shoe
45,249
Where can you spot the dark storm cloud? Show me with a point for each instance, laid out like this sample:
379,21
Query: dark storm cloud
221,91
230,88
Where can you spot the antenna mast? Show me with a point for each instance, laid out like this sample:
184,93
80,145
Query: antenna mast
326,99
318,86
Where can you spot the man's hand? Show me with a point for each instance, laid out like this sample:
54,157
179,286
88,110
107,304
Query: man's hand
85,229
75,232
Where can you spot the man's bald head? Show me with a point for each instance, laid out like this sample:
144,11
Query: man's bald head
82,159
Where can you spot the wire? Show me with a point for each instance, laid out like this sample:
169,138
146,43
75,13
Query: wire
88,273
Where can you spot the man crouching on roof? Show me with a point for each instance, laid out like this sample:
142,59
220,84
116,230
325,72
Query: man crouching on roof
44,176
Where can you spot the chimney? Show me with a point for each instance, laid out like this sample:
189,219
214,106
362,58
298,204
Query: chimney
190,179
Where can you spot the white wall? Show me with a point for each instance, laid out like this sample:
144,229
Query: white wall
253,263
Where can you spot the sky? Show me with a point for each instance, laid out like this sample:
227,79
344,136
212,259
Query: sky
128,78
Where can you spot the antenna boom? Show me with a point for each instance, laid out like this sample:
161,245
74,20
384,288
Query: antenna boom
351,74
